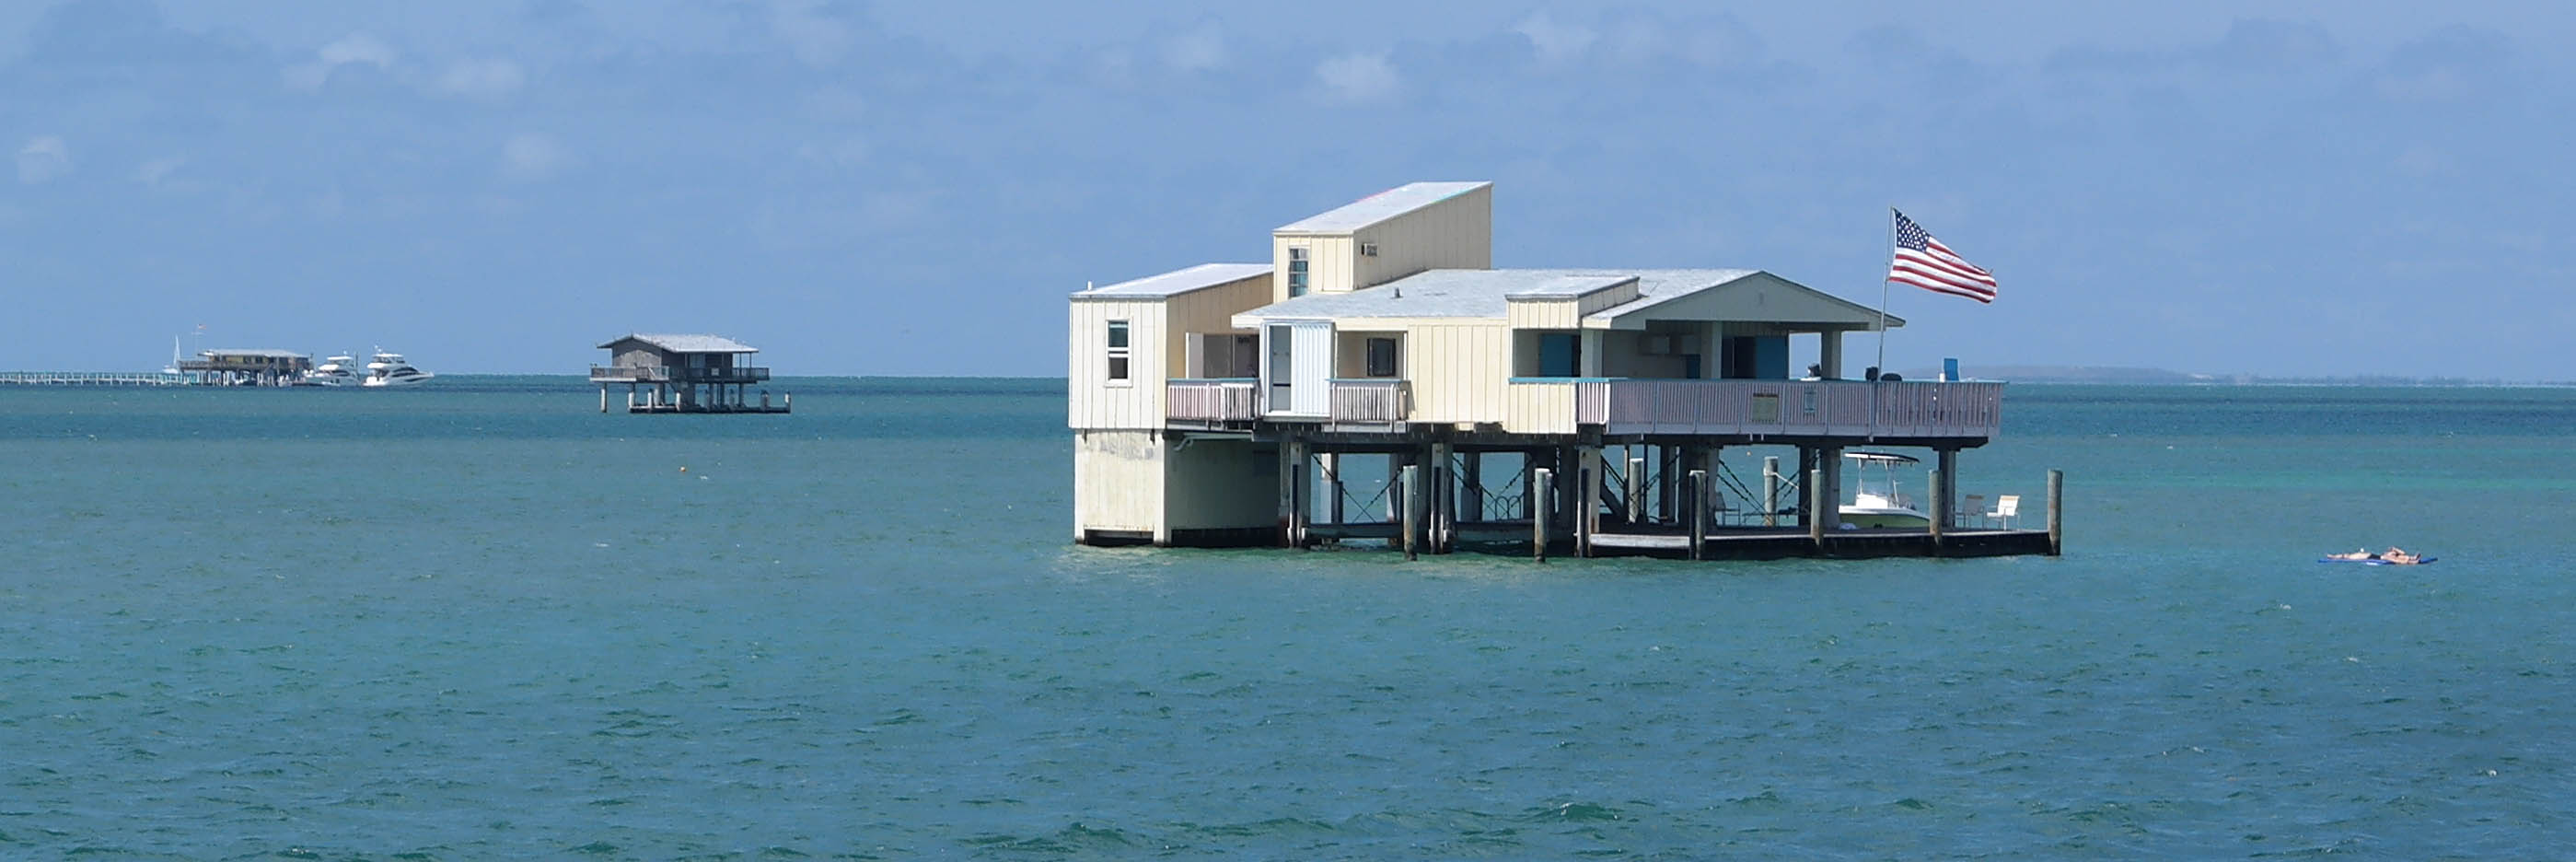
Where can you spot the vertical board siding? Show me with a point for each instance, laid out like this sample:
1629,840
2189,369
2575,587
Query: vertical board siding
1457,233
1458,371
1091,401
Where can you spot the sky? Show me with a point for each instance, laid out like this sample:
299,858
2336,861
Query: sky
497,186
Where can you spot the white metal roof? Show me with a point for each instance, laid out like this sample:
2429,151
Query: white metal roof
1176,282
687,343
1487,293
262,352
1380,207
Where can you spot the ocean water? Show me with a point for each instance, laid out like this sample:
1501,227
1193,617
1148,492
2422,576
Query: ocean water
480,620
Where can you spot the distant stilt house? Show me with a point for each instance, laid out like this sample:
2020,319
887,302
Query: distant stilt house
684,374
246,368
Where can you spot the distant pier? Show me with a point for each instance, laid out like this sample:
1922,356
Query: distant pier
95,378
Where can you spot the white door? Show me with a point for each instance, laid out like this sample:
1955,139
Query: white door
1281,371
1300,370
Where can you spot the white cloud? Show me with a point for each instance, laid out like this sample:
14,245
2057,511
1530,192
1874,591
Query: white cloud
1357,77
43,159
1196,51
352,48
482,79
533,156
815,38
1555,42
151,173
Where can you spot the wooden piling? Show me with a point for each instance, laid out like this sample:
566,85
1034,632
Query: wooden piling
1940,509
2056,506
1471,487
1412,486
1815,525
1633,491
1540,480
1698,491
1588,510
1333,484
1770,490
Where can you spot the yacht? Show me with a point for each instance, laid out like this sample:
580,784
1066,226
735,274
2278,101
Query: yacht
1876,502
334,371
390,369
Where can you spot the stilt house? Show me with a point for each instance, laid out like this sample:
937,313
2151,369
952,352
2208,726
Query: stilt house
1211,405
684,374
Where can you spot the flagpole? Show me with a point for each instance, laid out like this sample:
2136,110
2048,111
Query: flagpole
1882,294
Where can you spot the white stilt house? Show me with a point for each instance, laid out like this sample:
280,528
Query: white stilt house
1207,401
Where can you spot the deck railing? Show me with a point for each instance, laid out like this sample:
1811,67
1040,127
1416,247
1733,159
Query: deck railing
660,373
1210,401
1828,408
1370,402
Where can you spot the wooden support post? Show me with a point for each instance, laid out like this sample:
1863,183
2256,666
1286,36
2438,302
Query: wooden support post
1634,492
1532,500
1587,516
1540,479
1412,487
2056,508
1940,509
1698,491
1815,525
1304,515
1770,490
1947,493
1287,494
603,398
1439,498
1671,467
1806,488
1471,486
1333,484
1394,474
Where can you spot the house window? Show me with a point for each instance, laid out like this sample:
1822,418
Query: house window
1296,271
1381,357
1117,350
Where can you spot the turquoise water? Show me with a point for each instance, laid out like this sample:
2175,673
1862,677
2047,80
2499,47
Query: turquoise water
479,620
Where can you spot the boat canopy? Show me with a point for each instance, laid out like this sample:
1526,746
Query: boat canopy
1882,457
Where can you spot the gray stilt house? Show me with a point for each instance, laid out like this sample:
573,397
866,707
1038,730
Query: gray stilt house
684,374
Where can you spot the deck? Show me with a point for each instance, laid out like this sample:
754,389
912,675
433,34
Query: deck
1726,543
1928,413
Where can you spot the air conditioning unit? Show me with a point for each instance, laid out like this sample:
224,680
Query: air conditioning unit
1368,249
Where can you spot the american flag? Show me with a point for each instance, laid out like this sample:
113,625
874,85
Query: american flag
1925,263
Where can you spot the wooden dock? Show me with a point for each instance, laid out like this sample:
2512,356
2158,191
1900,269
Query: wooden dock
1723,543
94,378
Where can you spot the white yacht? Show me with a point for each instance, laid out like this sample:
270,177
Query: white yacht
390,369
334,371
1878,503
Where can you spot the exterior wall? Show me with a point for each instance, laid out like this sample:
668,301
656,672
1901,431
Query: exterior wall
1350,352
1457,233
1209,311
1328,264
1092,400
634,354
1543,313
1540,408
1458,370
1220,484
1117,481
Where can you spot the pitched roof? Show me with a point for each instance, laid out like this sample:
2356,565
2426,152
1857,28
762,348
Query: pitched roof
687,343
1487,292
1380,207
1176,282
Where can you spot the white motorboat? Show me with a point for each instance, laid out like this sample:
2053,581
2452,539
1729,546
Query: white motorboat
1876,500
390,369
334,371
